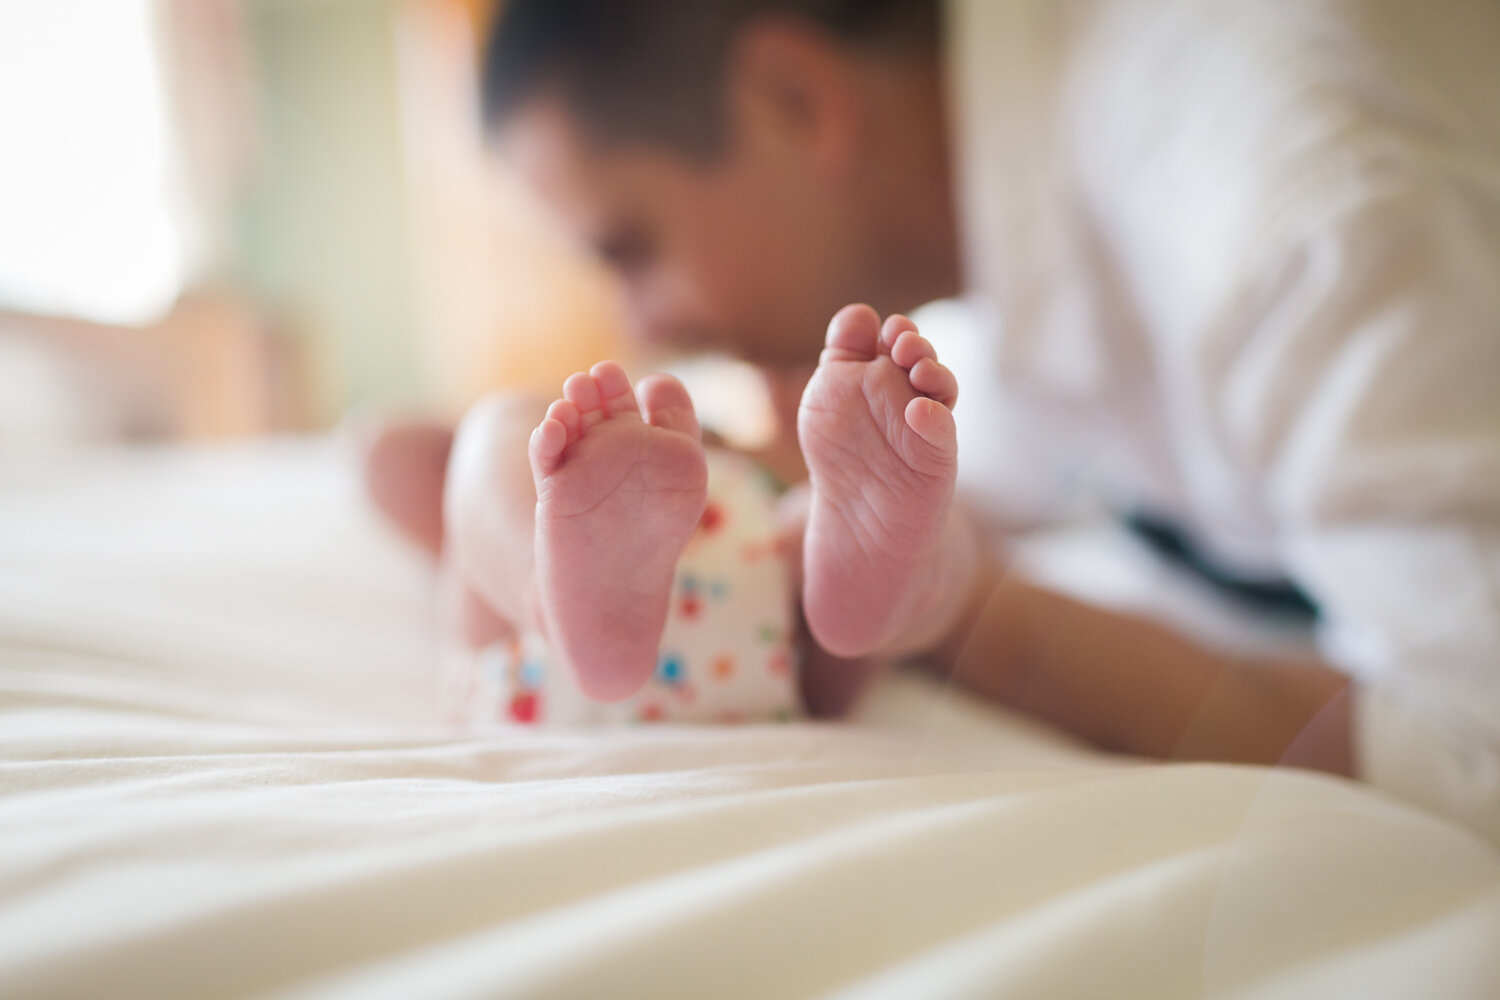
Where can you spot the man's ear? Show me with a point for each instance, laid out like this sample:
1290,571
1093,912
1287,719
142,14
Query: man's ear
794,88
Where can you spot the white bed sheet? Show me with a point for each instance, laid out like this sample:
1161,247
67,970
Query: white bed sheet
224,772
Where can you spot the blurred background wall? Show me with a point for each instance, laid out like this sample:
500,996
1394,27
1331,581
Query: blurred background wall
229,217
322,227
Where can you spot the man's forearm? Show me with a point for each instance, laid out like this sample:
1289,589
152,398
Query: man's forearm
1134,686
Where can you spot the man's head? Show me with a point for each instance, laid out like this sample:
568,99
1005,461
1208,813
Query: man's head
746,166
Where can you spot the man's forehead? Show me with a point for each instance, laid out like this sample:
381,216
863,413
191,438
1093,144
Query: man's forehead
589,182
544,144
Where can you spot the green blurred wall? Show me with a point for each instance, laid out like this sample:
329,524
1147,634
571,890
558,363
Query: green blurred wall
324,234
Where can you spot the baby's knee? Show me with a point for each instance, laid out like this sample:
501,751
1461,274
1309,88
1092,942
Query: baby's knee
488,464
492,426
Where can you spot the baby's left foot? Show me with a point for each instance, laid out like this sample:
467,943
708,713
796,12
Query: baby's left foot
877,432
618,495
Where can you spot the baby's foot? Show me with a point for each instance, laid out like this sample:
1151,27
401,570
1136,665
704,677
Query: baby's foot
618,498
881,448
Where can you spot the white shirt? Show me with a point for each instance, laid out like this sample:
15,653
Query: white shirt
1244,261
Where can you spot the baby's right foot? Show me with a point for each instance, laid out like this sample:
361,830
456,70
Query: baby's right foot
618,498
877,432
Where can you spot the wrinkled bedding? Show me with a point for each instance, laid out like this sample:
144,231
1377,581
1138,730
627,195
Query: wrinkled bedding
225,770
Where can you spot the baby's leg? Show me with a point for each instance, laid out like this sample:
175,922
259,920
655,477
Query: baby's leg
406,468
489,505
467,497
828,685
490,540
618,496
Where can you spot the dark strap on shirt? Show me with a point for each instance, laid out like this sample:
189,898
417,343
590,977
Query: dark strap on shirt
1172,543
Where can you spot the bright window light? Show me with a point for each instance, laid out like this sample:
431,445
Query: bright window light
87,219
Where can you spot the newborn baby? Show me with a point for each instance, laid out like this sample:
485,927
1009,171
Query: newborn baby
583,574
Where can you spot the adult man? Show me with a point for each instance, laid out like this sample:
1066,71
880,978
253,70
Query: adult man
1243,263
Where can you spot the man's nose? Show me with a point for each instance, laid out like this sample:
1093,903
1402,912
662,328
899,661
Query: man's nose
643,321
653,316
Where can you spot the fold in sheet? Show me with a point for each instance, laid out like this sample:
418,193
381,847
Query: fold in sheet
224,771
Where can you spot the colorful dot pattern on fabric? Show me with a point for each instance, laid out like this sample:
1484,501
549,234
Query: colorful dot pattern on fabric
530,674
713,518
525,707
670,669
726,656
694,595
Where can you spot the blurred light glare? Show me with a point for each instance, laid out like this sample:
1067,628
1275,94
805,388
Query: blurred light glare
87,218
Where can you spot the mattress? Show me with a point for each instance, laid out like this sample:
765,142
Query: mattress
227,770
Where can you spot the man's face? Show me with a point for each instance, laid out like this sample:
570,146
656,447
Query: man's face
749,253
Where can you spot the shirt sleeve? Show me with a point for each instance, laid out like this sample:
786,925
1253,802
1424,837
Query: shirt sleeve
1322,272
1362,395
1364,402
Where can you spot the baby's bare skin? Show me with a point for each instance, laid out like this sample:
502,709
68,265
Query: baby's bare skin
877,432
618,498
585,547
621,483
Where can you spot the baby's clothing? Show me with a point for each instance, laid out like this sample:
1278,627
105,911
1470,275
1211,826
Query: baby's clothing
728,652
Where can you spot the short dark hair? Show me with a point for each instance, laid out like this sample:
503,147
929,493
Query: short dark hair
653,70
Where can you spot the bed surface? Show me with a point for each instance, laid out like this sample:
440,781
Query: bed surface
224,771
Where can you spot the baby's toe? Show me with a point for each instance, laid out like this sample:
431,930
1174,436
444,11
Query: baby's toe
667,404
548,442
566,413
910,347
558,429
582,391
853,335
933,423
895,325
614,389
931,378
